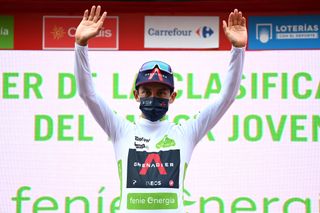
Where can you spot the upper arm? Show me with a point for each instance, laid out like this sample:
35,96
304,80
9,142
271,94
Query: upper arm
211,114
111,123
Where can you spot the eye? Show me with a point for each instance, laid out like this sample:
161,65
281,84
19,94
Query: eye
162,93
145,93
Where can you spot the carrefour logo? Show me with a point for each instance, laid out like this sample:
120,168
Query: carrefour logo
181,32
202,32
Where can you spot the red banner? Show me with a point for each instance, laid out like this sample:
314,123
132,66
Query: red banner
59,33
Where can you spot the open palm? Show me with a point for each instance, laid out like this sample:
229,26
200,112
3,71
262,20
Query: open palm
90,25
236,30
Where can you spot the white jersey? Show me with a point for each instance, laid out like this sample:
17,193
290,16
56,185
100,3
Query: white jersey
153,156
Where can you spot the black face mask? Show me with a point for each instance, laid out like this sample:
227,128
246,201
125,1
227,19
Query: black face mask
154,108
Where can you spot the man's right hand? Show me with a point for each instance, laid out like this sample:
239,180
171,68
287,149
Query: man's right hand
90,25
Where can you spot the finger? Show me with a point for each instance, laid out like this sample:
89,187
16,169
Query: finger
93,9
85,15
240,18
101,20
235,19
230,19
103,17
97,14
243,21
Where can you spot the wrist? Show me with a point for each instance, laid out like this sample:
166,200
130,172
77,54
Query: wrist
237,45
81,42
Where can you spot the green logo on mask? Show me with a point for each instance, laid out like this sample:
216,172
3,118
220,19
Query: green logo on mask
165,142
6,32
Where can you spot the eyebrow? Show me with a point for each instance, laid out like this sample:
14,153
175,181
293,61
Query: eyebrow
164,88
144,88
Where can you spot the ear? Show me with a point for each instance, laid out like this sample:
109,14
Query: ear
136,96
172,97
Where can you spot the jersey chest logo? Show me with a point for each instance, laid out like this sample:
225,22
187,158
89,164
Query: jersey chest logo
153,169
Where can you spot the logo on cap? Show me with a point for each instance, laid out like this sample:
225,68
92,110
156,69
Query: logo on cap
154,71
151,69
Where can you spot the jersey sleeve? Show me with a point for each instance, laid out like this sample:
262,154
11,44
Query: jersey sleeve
110,122
198,126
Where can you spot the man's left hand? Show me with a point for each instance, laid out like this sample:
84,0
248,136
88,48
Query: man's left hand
236,30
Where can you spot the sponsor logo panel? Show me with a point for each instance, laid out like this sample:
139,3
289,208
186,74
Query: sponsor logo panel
284,32
6,32
165,142
181,32
153,169
141,142
152,201
59,33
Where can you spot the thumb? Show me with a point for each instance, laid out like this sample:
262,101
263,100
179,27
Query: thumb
224,25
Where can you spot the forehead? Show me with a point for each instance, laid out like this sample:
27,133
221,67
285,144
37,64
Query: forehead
154,85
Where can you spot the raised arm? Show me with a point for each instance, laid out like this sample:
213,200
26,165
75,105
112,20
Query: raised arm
236,32
107,119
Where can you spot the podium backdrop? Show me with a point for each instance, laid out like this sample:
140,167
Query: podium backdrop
263,155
